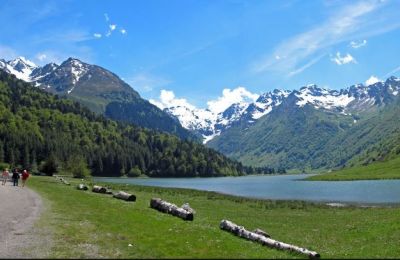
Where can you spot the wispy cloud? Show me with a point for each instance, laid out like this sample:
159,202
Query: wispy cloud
7,53
111,27
97,35
392,72
350,21
305,66
358,44
146,82
341,60
69,36
57,56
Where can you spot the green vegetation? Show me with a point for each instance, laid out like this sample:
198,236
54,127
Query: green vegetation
379,170
306,139
38,128
86,224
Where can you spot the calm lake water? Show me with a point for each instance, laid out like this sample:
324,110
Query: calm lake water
283,187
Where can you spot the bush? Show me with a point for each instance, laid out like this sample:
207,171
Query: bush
134,172
50,166
3,166
78,167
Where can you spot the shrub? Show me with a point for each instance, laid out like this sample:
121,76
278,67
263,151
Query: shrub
135,172
49,167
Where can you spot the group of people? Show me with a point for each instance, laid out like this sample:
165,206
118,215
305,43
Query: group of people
15,176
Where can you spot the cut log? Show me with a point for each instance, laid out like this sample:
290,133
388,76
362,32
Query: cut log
187,207
166,207
125,196
82,187
242,232
100,189
64,181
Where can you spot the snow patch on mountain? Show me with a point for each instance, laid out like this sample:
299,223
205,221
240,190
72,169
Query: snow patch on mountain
322,98
266,102
20,67
209,122
77,70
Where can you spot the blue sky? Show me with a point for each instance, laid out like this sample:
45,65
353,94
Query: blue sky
198,48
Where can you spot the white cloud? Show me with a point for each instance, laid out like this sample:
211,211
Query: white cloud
123,31
341,60
229,97
106,17
353,19
97,35
167,99
41,56
240,94
359,44
372,80
112,27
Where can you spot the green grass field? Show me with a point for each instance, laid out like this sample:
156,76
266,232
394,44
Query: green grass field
89,225
376,171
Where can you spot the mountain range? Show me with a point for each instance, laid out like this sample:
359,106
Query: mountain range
97,88
352,100
303,129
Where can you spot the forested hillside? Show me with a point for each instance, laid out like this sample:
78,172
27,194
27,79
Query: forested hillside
36,126
305,138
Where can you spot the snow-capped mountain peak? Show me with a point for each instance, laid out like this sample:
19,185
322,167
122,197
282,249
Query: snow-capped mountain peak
20,67
21,63
77,69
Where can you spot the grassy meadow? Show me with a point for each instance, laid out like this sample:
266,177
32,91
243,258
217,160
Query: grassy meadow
84,224
376,171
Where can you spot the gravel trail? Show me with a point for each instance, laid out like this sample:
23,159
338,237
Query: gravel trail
19,209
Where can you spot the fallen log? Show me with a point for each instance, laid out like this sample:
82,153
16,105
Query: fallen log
101,189
64,181
124,196
187,207
82,187
242,232
166,207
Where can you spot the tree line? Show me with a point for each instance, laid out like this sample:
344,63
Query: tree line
42,131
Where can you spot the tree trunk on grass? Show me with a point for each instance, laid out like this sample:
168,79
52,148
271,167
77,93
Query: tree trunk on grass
64,181
166,207
242,232
100,189
125,196
82,187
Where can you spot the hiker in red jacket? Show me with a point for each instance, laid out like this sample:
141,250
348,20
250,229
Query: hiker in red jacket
25,176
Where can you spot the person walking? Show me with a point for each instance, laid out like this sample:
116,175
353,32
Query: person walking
5,176
15,177
25,176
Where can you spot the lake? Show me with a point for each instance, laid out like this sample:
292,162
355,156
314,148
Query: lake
283,187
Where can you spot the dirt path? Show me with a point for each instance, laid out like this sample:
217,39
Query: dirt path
19,209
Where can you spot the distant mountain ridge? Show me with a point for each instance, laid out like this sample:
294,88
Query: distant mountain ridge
354,99
315,128
97,88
